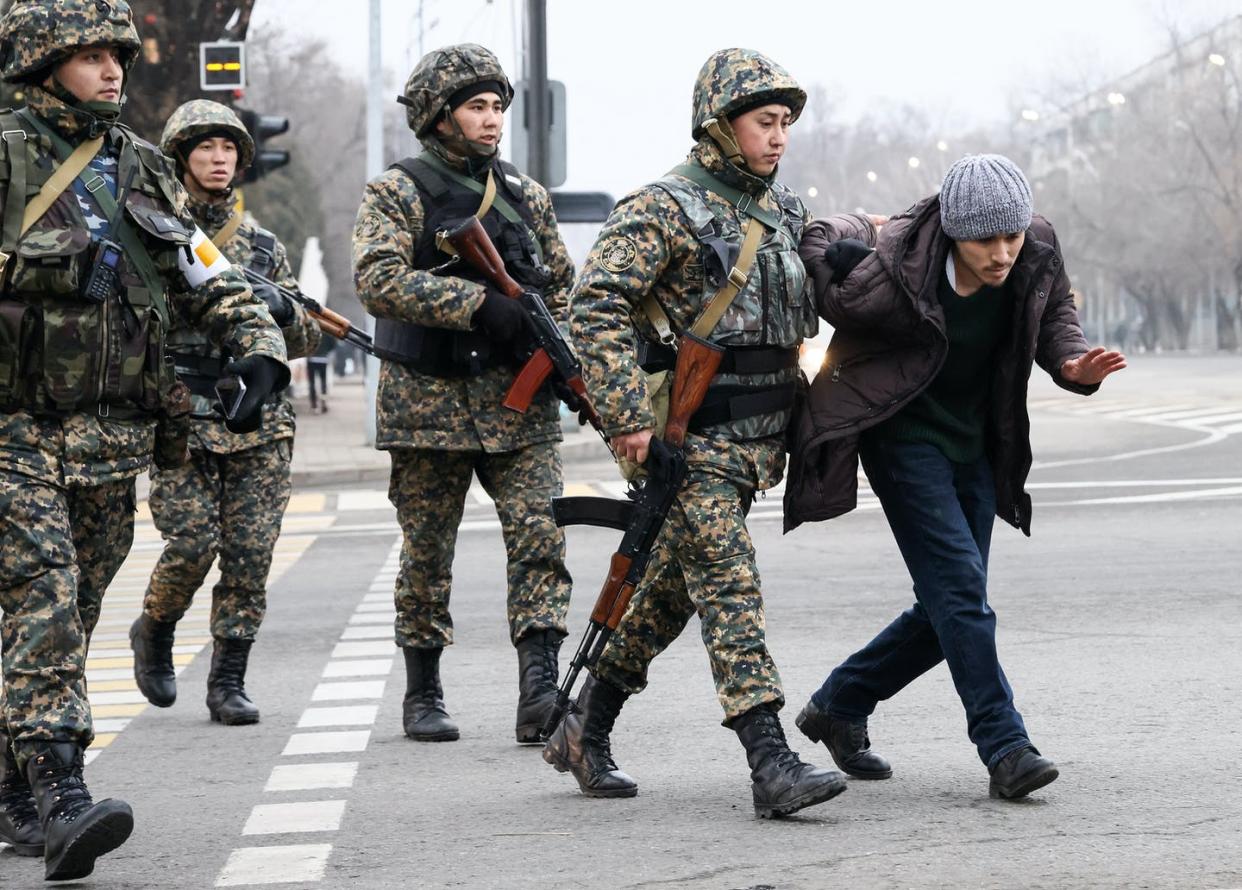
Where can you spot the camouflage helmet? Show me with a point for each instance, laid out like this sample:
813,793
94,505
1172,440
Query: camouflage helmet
440,74
36,34
733,78
198,117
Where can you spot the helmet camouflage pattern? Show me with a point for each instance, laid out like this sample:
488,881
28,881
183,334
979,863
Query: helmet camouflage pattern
440,74
731,78
36,34
199,117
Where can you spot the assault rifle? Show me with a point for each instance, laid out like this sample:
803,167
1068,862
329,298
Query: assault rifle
641,516
552,354
331,323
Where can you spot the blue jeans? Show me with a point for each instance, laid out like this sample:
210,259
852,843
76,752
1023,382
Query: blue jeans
941,514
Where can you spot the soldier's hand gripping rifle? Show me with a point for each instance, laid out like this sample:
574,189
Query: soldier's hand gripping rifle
641,516
331,323
553,354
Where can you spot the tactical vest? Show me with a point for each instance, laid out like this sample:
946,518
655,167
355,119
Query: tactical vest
509,223
63,353
753,394
199,362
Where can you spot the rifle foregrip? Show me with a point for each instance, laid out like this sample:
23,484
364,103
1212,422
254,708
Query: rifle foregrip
697,363
613,586
332,326
527,382
619,605
476,248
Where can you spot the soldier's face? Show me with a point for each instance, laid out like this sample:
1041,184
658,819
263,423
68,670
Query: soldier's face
481,119
93,74
212,164
762,134
988,261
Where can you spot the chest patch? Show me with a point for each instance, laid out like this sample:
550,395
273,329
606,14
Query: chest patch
618,253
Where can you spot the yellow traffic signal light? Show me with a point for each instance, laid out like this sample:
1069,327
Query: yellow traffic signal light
222,65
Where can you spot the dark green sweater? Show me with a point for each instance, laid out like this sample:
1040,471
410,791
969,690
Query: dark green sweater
952,412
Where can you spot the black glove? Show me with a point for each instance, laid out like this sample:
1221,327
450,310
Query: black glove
262,376
568,396
500,317
843,256
277,303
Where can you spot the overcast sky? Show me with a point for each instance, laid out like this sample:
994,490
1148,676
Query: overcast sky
629,65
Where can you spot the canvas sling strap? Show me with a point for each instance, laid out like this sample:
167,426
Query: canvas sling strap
227,231
135,250
487,190
752,234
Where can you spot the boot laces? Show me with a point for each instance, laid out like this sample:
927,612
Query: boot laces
70,796
16,800
232,670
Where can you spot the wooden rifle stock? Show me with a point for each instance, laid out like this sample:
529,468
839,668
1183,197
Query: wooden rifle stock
697,362
473,246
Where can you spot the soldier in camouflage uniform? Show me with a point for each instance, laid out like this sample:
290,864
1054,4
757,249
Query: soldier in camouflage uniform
230,498
440,412
82,380
661,257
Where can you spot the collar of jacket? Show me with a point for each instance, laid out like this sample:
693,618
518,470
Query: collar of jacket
707,154
474,167
71,121
212,214
914,248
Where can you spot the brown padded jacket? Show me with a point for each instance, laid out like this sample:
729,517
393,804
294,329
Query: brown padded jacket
889,343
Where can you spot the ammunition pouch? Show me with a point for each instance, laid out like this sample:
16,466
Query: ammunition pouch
438,352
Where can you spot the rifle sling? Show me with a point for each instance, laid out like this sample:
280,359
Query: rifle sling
227,231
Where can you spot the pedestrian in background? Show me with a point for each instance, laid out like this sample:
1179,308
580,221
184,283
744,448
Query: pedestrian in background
935,333
317,370
229,499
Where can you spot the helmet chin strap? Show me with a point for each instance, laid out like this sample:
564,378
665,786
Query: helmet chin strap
459,140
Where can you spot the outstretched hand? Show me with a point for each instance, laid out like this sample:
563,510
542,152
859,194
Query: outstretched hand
633,446
1093,366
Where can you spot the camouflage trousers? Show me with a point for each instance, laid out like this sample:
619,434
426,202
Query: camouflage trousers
229,505
705,563
59,550
428,488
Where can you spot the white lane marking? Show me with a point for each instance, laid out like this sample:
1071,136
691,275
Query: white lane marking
312,776
371,667
327,742
289,818
345,715
1167,496
384,597
288,864
1211,439
362,650
387,607
372,618
117,698
348,690
1135,483
367,499
377,632
110,724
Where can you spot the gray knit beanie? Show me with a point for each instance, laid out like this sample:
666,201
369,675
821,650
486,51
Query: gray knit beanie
984,196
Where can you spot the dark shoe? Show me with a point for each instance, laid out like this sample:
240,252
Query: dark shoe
227,700
423,712
152,642
1020,772
19,820
580,745
847,742
537,673
781,783
78,830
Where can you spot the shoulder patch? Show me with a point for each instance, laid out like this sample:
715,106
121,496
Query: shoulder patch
618,253
369,226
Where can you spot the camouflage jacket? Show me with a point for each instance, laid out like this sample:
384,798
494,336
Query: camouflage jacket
454,414
649,245
87,448
207,429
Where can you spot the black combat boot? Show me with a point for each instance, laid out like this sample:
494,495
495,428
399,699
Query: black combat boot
781,783
152,642
580,745
1020,772
19,820
537,673
78,831
422,711
226,684
847,742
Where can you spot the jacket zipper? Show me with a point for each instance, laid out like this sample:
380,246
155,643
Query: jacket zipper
106,336
763,285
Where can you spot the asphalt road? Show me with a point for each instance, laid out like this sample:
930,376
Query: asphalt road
1119,628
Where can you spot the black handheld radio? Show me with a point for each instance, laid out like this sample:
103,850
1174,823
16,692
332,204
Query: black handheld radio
104,279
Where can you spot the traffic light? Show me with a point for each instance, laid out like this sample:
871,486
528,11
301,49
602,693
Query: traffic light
222,65
263,127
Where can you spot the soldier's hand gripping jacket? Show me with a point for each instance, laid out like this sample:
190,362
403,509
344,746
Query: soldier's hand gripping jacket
229,499
439,411
83,375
